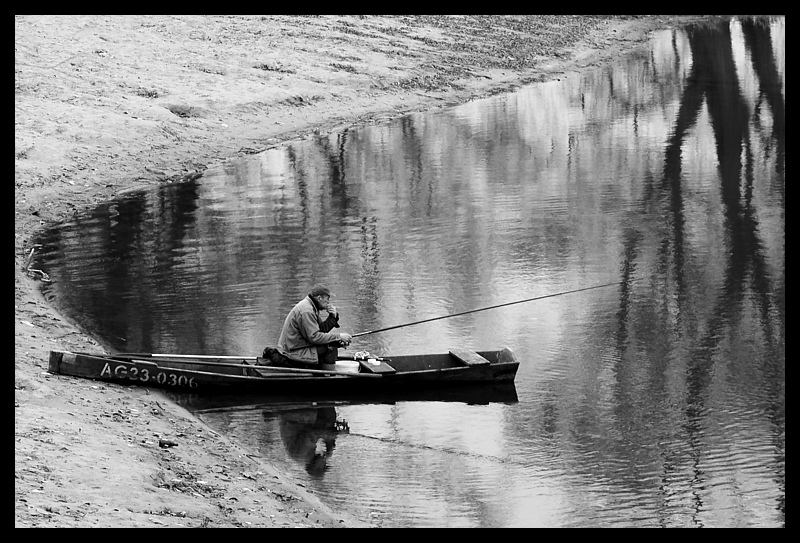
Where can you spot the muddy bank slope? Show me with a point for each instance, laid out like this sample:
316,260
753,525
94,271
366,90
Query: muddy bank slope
107,104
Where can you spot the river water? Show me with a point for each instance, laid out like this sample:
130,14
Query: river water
659,401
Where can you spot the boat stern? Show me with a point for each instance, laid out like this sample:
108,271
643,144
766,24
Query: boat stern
59,359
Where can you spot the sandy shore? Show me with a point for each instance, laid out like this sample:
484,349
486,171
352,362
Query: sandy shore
108,104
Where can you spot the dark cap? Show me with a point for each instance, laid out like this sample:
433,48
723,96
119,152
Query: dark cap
320,290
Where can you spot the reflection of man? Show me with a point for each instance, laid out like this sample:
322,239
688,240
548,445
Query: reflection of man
309,436
306,340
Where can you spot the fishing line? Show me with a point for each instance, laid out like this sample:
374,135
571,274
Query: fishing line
496,459
496,306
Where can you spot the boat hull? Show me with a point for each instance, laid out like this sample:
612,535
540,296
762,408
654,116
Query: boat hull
214,374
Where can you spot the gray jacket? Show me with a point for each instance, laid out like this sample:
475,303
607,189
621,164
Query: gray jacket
303,331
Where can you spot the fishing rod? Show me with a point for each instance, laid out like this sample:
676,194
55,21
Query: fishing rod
495,307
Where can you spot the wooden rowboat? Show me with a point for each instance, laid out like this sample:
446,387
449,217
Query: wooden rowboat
202,373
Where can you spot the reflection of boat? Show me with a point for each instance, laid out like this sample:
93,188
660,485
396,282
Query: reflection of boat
201,373
482,394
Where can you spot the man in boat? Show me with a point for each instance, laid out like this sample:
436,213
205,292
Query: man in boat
306,340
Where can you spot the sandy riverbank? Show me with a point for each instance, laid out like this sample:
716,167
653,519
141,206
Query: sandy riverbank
105,104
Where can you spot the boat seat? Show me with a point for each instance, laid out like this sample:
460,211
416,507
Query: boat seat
377,366
470,358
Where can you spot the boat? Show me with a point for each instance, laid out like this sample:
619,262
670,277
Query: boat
352,372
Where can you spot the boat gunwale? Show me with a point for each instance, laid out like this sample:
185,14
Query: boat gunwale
298,374
186,359
316,374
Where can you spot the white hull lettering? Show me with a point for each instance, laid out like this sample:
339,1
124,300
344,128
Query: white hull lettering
143,375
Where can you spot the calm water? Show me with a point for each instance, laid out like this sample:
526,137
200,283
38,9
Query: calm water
657,402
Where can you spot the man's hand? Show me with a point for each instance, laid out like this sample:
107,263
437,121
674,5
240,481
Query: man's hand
345,338
330,308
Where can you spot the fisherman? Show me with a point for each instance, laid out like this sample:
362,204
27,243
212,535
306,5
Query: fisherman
306,340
